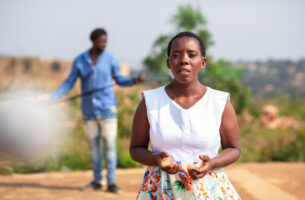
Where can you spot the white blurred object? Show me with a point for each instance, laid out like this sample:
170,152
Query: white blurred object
29,128
37,98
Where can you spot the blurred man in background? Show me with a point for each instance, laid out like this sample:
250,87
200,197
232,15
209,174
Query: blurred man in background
97,68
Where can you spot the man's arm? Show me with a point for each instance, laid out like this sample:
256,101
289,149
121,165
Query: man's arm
67,85
124,80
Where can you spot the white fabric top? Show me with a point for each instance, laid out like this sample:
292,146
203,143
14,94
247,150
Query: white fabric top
185,133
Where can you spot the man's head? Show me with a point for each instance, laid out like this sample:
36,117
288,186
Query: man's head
99,39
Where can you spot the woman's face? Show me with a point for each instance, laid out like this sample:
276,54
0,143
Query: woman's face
185,59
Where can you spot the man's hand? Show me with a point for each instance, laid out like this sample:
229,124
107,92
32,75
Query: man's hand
165,164
199,172
140,79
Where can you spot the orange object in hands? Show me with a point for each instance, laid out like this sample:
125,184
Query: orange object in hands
185,177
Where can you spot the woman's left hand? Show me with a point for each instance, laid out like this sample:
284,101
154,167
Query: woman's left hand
199,172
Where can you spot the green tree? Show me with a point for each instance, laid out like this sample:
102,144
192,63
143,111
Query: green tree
222,76
219,74
186,19
189,19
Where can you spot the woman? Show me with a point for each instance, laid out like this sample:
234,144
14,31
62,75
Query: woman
185,123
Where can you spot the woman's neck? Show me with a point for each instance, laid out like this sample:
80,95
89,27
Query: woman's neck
187,90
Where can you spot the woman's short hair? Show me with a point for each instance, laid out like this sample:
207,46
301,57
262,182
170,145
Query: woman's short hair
187,34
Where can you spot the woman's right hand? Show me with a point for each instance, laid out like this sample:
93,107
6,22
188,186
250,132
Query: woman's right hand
165,164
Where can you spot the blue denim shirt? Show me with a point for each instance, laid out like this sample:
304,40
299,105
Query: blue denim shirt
97,78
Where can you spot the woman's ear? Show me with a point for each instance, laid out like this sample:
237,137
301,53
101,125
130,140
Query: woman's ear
203,62
167,62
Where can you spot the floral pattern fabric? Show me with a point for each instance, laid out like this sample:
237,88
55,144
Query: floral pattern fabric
158,185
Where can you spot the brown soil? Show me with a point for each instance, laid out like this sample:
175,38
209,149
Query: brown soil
283,179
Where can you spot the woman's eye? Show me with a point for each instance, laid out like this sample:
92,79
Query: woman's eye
176,55
192,55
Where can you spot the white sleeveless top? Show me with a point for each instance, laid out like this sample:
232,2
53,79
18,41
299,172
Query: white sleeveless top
185,133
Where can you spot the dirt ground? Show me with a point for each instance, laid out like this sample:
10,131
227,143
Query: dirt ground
253,181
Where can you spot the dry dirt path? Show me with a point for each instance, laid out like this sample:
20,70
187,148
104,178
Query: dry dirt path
253,181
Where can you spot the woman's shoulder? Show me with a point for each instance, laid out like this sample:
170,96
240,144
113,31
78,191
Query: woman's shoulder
218,93
153,91
217,101
154,98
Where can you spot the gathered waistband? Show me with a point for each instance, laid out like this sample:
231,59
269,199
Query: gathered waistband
186,165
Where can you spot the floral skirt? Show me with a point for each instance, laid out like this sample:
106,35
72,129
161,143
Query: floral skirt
157,184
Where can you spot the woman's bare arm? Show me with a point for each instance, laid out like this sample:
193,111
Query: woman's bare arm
138,148
229,138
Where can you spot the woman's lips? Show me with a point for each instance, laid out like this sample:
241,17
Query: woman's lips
184,72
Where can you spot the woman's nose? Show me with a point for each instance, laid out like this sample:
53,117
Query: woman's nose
184,59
